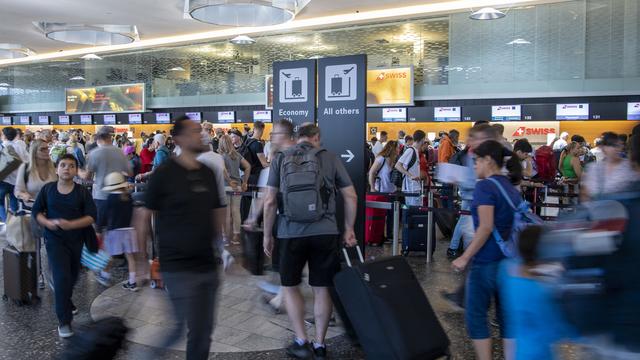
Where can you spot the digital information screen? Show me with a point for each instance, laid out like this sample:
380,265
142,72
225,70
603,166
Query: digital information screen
262,115
163,118
43,120
86,119
195,116
24,120
6,120
226,117
63,119
446,113
110,119
394,114
506,113
135,118
633,111
105,99
572,112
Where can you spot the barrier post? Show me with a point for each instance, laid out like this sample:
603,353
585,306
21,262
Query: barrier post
396,226
430,228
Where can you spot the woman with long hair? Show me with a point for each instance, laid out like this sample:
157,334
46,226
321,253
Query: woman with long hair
569,164
490,210
233,163
379,174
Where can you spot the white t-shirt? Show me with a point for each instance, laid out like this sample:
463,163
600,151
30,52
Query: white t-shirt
597,152
377,148
409,185
383,182
599,178
215,162
559,145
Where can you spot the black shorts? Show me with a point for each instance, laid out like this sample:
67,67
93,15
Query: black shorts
322,254
101,210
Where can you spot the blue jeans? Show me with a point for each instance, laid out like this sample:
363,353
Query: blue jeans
6,188
464,228
482,286
64,262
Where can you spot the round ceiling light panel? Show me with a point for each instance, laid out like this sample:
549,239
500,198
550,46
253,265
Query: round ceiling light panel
94,35
487,13
14,51
245,12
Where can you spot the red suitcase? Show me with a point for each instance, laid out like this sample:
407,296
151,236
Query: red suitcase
375,222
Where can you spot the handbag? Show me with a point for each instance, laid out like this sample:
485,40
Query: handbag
19,234
95,261
90,239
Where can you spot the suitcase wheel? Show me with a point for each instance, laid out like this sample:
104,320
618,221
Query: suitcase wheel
153,284
405,253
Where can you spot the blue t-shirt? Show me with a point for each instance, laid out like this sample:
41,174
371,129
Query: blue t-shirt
487,193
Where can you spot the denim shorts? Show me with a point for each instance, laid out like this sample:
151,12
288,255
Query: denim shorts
482,286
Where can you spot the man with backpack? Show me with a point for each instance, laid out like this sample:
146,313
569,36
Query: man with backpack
252,150
305,178
11,156
409,166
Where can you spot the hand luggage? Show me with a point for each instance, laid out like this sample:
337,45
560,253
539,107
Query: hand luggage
414,231
446,222
389,311
375,222
253,251
100,340
20,276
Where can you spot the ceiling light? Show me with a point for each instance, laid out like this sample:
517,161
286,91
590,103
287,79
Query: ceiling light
177,68
96,35
242,40
393,50
315,57
487,13
77,78
91,57
300,55
237,63
519,42
4,85
245,12
14,51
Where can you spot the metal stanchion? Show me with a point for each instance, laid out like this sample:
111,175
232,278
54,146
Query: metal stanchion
396,226
430,228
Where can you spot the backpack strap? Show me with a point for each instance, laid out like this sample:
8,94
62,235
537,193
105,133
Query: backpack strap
503,192
414,158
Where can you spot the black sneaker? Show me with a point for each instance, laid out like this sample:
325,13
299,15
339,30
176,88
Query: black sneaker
452,254
298,351
454,301
320,353
129,286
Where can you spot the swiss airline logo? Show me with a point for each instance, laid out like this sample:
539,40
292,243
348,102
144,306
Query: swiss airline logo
523,130
392,75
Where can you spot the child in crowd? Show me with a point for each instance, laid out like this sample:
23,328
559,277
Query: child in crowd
66,210
535,318
120,236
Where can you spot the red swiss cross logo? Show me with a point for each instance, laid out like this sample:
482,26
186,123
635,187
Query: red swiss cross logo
519,131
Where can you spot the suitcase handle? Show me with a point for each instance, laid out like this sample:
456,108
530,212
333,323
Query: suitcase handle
346,255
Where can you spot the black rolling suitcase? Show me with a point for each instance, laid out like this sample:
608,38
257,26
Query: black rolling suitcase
20,276
253,251
389,311
414,231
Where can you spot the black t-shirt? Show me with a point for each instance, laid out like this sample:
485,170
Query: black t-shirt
184,200
74,205
250,150
119,212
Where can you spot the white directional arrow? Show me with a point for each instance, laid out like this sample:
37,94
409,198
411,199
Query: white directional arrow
349,155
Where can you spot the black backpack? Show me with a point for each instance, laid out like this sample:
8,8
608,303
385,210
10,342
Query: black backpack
396,176
250,156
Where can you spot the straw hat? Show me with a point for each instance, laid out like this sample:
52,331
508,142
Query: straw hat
114,181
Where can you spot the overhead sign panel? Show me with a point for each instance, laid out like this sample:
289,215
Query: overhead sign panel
163,118
572,111
446,113
226,117
389,87
86,119
506,113
110,119
43,120
633,111
394,114
6,120
64,119
105,99
135,119
294,85
195,116
262,115
24,120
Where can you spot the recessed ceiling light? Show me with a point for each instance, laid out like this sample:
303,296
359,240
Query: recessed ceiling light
393,50
245,12
14,51
315,57
242,40
95,35
4,85
91,57
77,78
487,13
300,55
519,42
237,62
177,68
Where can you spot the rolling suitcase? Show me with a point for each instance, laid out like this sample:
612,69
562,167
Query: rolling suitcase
375,222
414,231
20,276
253,251
389,310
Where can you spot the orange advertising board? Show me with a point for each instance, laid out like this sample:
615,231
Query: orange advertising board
390,87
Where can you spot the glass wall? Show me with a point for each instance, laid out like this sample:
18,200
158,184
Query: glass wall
583,47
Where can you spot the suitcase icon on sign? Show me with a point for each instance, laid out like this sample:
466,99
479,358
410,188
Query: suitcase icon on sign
296,87
336,85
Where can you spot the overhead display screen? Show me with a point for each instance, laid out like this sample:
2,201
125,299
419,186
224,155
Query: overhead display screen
446,113
195,116
110,119
572,111
163,118
262,115
633,111
86,119
227,117
6,120
24,120
393,86
63,119
43,120
506,113
394,114
105,99
135,118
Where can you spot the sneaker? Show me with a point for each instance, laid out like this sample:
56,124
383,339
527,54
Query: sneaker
269,287
104,281
74,310
298,351
129,286
64,331
227,260
454,301
320,352
452,254
312,321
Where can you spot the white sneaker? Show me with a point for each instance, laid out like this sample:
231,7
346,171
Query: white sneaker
227,259
65,331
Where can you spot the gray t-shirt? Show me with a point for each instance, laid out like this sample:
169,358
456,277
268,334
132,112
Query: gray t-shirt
104,160
233,167
334,171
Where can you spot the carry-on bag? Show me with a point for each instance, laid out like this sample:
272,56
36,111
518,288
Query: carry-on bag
253,252
375,222
414,231
20,276
389,310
